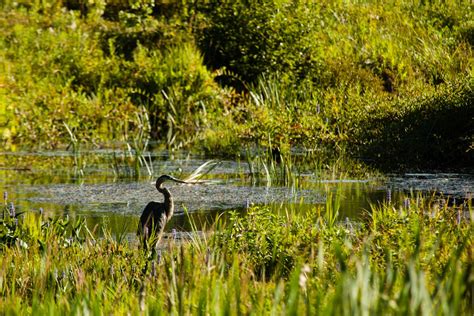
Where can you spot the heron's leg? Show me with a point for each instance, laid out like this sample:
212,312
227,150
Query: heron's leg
144,239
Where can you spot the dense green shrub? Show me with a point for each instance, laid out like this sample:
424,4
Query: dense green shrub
177,90
262,37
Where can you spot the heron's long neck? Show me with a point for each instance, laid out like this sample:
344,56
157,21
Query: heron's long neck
169,204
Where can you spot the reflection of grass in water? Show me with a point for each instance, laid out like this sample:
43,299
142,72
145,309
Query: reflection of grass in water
76,153
135,156
409,259
274,168
259,167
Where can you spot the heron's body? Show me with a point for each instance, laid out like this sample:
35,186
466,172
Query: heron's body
157,214
154,218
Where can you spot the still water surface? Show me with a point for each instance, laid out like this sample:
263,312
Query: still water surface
104,192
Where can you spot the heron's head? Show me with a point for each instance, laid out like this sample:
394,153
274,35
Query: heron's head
166,177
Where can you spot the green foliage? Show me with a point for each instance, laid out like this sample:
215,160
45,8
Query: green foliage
319,76
373,46
29,230
414,259
177,90
324,77
254,38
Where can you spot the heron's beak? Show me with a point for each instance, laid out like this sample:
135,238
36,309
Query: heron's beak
180,181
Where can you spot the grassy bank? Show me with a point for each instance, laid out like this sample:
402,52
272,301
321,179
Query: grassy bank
351,79
408,260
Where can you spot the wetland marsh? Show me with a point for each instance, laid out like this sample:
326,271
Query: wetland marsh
45,181
337,136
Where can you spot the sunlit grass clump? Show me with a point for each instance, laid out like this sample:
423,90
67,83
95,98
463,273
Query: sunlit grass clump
413,259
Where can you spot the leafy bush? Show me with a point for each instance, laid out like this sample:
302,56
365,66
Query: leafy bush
177,90
256,38
25,230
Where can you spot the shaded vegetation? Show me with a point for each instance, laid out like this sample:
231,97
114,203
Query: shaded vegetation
437,132
361,80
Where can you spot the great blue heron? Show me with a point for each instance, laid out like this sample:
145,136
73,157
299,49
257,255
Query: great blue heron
157,214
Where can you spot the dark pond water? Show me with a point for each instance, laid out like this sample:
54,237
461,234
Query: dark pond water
105,192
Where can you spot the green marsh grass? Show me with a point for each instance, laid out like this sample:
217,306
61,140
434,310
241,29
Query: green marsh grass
270,169
398,261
